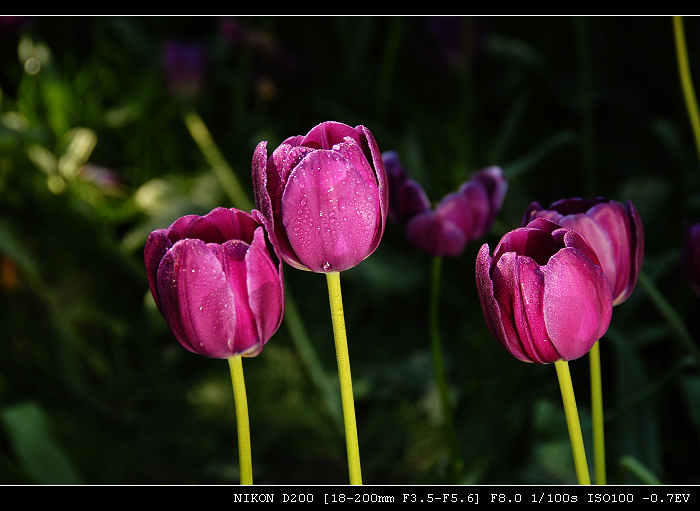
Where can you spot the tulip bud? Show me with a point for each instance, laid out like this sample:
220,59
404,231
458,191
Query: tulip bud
691,257
323,196
406,197
612,229
460,217
216,282
543,294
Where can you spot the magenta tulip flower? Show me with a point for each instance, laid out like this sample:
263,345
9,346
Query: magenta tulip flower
543,294
216,282
691,257
323,196
460,217
613,230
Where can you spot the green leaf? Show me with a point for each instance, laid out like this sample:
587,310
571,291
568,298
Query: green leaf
513,49
691,389
639,470
528,162
509,129
39,455
642,441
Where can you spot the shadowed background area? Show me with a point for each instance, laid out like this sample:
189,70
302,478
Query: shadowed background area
112,127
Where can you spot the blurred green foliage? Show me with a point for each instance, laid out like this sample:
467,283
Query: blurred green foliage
95,153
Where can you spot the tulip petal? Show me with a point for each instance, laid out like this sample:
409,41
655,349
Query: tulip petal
531,212
454,209
477,208
537,244
157,244
575,205
392,166
599,240
329,133
283,161
529,316
396,177
329,212
371,149
411,201
259,177
351,151
223,224
577,303
265,291
492,179
179,229
435,235
613,219
232,256
265,178
294,140
489,305
196,299
504,291
570,238
544,224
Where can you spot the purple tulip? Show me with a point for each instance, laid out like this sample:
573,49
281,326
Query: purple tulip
323,196
460,217
184,67
691,257
612,229
406,196
543,294
216,282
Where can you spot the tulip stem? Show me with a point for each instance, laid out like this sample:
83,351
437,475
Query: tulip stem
572,421
597,412
225,174
335,298
242,423
232,188
438,363
686,79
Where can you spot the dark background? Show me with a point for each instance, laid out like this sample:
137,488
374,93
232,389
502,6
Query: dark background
95,389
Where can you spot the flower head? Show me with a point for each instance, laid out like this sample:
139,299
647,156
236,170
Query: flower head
323,196
543,294
216,282
460,217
